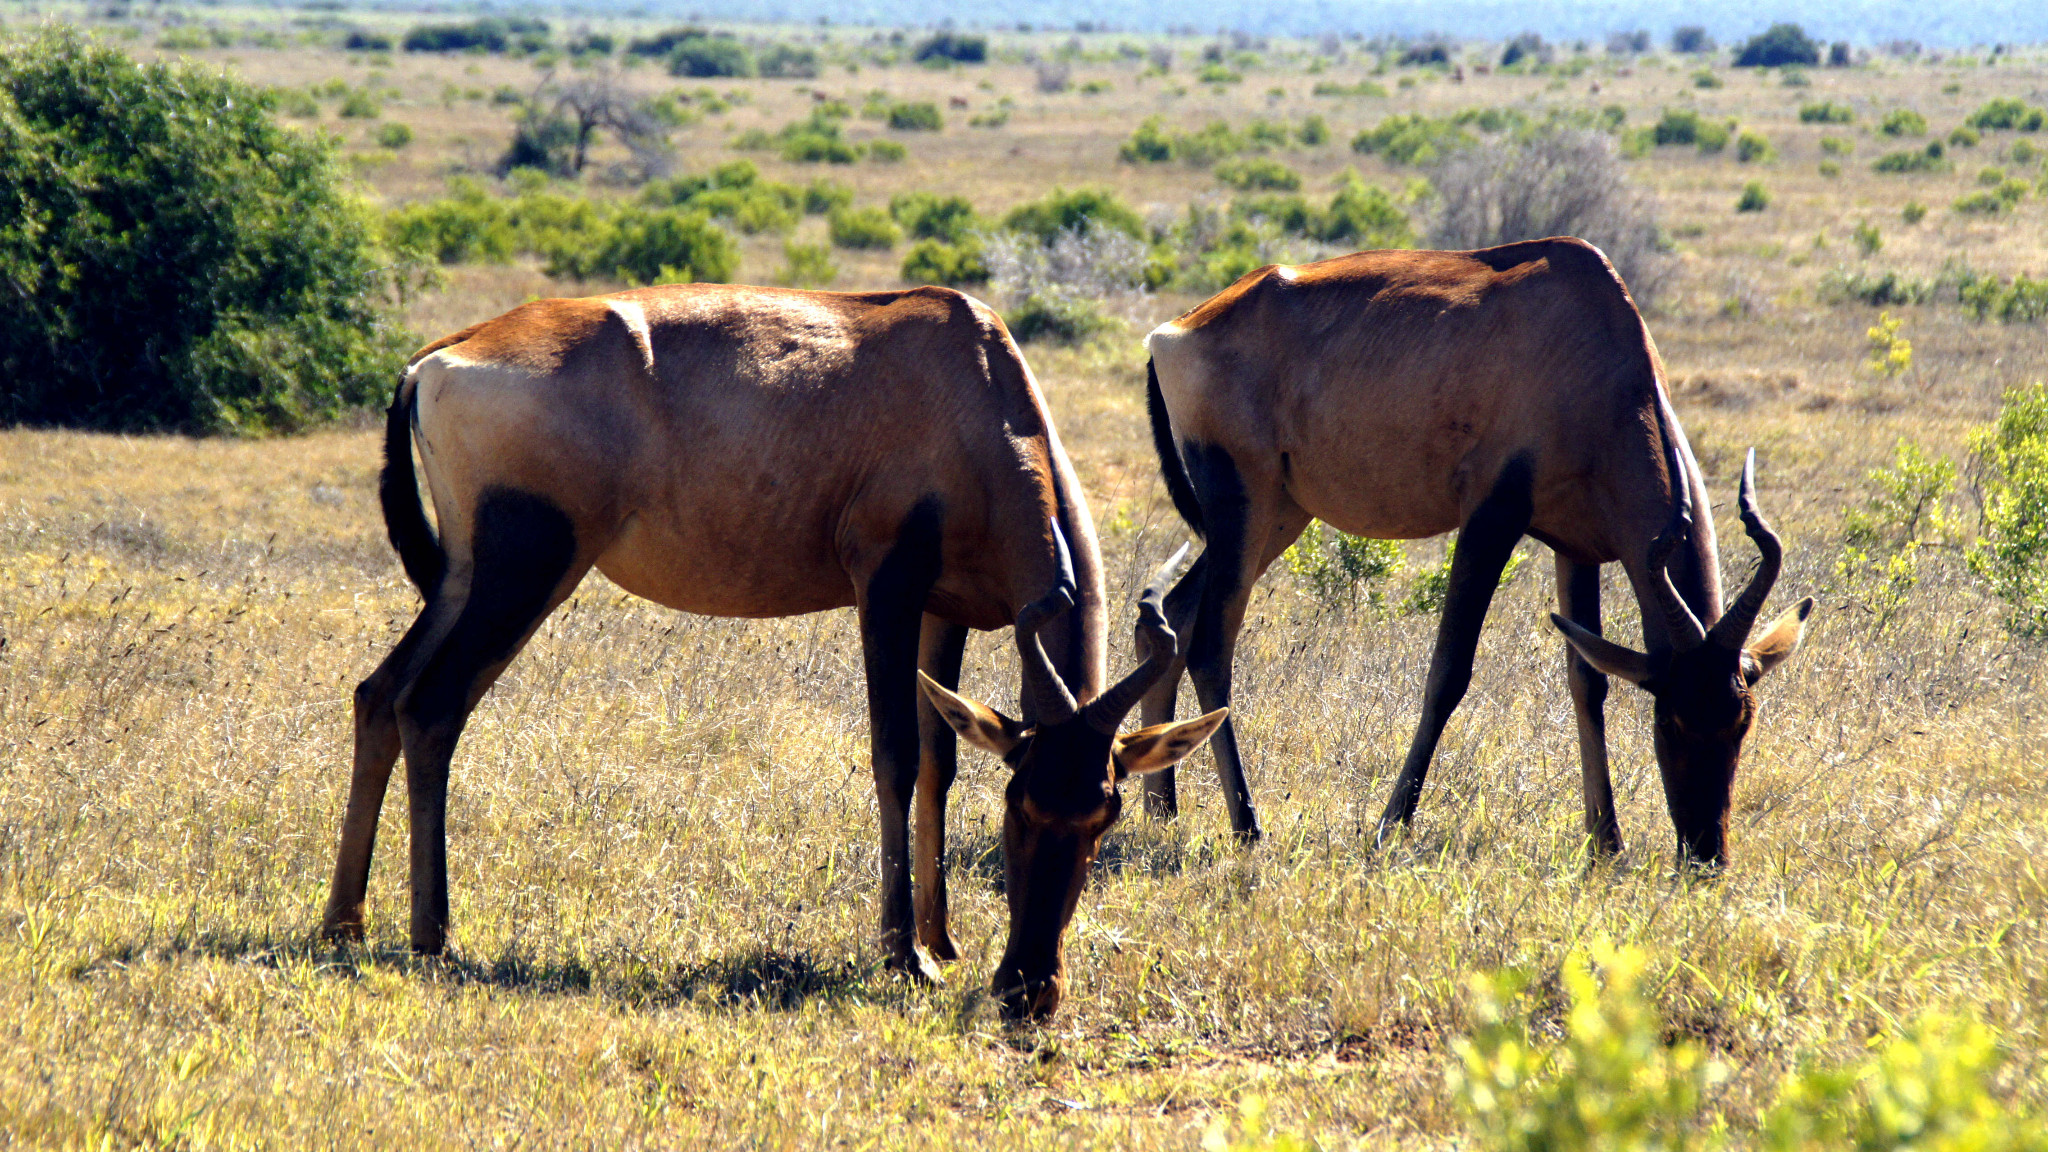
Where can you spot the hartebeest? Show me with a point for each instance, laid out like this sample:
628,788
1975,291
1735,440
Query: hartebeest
759,452
1506,392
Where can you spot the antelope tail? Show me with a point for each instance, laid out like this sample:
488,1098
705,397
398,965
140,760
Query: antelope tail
1172,468
405,518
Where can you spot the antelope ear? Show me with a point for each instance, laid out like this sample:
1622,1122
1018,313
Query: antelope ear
977,723
1603,654
1164,745
1781,639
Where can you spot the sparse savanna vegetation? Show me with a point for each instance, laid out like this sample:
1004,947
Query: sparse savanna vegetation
662,827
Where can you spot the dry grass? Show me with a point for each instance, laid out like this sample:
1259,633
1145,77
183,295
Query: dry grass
662,830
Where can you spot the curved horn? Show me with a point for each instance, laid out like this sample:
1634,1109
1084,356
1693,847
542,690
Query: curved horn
1732,630
1107,711
1051,702
1680,624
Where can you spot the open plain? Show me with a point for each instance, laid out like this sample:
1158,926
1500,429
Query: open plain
662,828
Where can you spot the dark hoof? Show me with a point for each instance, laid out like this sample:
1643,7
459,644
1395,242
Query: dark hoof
342,932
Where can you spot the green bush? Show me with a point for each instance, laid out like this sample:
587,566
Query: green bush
467,228
1914,212
806,266
734,192
644,245
955,47
1836,145
1754,198
2007,114
2012,555
296,103
1754,148
1083,210
929,216
1682,126
787,62
1964,136
2019,300
1781,45
938,262
1259,173
704,56
1060,318
818,140
175,259
1313,133
1932,158
1364,88
487,35
1826,112
361,104
1410,139
394,135
922,116
887,152
1903,122
1336,569
1432,586
862,228
822,196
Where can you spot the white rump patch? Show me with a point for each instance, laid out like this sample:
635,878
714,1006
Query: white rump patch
1164,334
635,319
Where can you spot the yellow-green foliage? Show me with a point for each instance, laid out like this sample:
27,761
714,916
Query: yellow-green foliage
2013,554
1336,569
1887,353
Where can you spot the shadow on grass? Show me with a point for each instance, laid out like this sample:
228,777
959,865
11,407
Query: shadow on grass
974,856
757,978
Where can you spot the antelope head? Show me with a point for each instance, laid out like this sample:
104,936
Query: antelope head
1703,682
1065,767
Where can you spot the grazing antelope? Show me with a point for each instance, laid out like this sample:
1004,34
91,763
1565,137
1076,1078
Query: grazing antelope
759,452
1506,392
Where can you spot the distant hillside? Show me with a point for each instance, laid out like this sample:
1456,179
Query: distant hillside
1861,21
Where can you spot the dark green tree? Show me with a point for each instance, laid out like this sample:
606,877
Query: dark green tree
1777,47
172,258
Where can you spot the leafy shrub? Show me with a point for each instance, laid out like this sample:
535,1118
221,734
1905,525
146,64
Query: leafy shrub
1914,212
1359,214
1682,126
2007,114
361,40
394,135
1836,145
1410,139
1881,541
734,192
469,227
1612,1083
1991,201
1708,78
922,116
490,34
2012,555
1875,290
1259,173
806,266
1691,40
788,62
1903,122
955,47
296,103
818,140
822,196
1336,569
1527,48
1754,198
1964,136
1826,112
1218,74
1314,132
1433,50
361,104
938,262
1083,211
1887,353
1153,143
887,152
1061,318
1754,148
1780,45
704,56
1869,241
647,245
929,216
173,258
1932,158
2019,300
664,42
1556,182
862,228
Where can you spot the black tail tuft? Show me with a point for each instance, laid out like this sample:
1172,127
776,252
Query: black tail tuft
1172,468
405,518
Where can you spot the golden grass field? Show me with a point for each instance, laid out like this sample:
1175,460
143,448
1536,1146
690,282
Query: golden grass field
661,827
